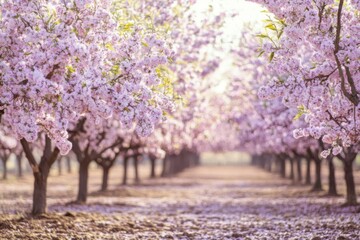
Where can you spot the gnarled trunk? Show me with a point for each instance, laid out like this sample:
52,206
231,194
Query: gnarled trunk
40,172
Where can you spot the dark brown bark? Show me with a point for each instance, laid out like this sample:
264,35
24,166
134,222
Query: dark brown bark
19,165
106,164
136,168
197,161
83,181
68,163
299,169
164,166
348,157
40,172
40,190
292,172
282,167
350,184
308,171
4,162
152,166
105,178
332,181
171,165
269,164
317,185
254,160
125,168
59,166
84,158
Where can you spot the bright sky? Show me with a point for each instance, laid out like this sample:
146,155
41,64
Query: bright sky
247,12
245,8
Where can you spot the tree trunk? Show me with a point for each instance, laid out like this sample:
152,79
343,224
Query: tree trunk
125,167
292,174
350,184
59,166
268,164
308,171
197,159
4,161
40,188
105,178
136,168
299,169
152,162
253,160
19,166
282,168
83,181
171,162
68,164
276,165
164,166
332,182
41,173
317,185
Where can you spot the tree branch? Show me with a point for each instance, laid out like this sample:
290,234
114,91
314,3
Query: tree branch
29,155
351,97
76,149
47,148
53,156
336,121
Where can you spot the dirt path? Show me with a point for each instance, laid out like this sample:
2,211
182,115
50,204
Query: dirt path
202,203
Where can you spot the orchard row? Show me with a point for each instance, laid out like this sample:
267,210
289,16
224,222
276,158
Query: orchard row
114,78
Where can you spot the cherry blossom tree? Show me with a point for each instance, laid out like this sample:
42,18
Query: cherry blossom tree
7,146
314,50
67,60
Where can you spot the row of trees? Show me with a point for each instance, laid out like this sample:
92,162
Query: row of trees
115,78
301,87
98,79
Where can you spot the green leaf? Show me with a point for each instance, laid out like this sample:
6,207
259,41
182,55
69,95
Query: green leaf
272,54
109,46
262,36
301,111
261,53
115,69
70,69
271,26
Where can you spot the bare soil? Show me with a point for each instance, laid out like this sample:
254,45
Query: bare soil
207,202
